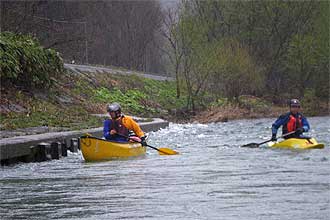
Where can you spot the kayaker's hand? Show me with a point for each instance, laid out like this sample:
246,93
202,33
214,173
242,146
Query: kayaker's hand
112,132
299,131
143,141
274,137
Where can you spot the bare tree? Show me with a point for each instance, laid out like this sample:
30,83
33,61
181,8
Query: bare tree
171,32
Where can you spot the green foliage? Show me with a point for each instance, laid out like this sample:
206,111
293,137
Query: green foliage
132,100
301,61
163,93
322,30
102,95
25,62
214,63
236,71
156,94
231,48
146,97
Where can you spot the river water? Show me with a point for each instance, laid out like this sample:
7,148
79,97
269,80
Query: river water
212,178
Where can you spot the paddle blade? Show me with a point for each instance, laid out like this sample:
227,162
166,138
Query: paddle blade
251,145
167,151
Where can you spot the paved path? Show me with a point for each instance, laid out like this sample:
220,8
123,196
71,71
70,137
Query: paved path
96,69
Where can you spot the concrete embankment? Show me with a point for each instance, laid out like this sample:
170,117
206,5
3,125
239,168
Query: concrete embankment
42,147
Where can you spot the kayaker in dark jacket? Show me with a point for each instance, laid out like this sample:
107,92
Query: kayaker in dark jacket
291,121
117,127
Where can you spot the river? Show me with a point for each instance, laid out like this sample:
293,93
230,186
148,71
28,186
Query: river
212,178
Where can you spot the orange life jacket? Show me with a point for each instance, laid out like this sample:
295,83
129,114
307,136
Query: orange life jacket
292,124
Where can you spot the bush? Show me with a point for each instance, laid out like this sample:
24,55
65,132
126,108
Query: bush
26,63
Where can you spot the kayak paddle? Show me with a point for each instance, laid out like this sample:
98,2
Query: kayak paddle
255,145
162,151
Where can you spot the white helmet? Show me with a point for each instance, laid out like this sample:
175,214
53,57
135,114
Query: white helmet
294,102
113,107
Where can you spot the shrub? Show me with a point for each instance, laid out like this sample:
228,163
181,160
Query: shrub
26,63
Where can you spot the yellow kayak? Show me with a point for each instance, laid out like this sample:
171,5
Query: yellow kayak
96,149
297,143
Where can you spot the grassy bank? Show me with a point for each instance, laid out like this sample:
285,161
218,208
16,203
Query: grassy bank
73,99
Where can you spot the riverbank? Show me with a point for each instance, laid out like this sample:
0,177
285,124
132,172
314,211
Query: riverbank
229,113
41,94
250,107
75,99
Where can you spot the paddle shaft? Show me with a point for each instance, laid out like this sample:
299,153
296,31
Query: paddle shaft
287,134
147,145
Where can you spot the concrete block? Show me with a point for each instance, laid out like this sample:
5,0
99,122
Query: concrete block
31,156
42,152
74,145
56,150
64,149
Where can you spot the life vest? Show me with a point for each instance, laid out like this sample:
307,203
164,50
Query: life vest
292,124
118,126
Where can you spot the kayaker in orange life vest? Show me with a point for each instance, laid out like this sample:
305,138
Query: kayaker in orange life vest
117,127
291,121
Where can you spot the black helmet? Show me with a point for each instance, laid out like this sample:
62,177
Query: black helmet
114,107
294,102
